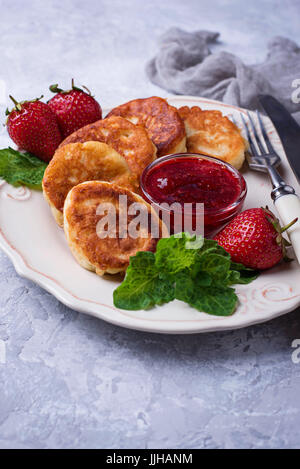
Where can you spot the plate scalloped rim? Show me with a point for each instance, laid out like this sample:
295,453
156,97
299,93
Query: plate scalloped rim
257,304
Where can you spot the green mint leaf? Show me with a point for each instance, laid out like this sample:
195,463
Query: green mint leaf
21,169
143,286
191,269
185,284
216,265
211,299
241,274
234,277
220,301
177,253
211,246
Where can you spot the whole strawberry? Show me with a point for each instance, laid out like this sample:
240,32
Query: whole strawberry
33,127
74,108
254,238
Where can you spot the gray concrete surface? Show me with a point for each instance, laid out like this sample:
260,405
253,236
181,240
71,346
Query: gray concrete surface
68,380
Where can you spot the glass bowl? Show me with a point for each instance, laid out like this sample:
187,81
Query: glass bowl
204,220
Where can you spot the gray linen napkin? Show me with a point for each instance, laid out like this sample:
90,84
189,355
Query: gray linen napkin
185,65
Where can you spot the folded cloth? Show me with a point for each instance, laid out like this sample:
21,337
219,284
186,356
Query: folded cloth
185,65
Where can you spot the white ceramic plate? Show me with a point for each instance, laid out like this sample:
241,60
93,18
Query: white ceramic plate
38,250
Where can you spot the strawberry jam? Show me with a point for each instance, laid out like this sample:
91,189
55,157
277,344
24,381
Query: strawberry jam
192,179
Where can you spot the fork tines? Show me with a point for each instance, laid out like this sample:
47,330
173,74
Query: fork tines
255,141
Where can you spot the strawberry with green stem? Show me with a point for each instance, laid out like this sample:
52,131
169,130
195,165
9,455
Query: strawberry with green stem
74,108
33,127
254,238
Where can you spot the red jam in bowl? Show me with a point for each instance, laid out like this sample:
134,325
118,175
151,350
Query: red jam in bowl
189,178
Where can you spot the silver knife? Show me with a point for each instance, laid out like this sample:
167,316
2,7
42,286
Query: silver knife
288,205
287,129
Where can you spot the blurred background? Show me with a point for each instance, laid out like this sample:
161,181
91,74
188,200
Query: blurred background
72,381
106,43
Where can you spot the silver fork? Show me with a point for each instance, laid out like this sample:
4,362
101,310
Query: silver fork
263,157
265,160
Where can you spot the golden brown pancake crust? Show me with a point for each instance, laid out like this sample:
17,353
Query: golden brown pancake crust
213,134
162,121
80,223
131,141
78,162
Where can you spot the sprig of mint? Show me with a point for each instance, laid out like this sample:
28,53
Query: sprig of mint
192,269
144,286
21,169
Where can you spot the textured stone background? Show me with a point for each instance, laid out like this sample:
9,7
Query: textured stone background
72,381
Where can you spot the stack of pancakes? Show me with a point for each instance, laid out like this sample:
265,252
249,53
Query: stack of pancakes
104,160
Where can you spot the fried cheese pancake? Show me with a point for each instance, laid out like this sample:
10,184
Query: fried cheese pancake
85,210
211,133
78,162
131,141
162,121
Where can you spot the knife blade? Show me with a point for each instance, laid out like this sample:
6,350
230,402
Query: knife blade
287,128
